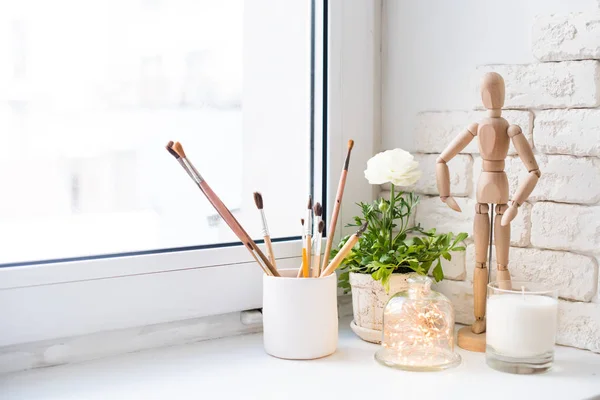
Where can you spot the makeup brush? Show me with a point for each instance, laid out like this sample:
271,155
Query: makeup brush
308,228
304,260
336,207
339,257
176,150
316,271
258,200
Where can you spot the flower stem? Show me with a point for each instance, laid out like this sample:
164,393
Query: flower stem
391,218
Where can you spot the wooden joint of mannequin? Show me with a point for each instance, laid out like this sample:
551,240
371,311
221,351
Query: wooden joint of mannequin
473,128
500,208
536,172
494,112
514,130
493,165
481,208
502,267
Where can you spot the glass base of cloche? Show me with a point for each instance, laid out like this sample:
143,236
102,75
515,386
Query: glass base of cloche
418,360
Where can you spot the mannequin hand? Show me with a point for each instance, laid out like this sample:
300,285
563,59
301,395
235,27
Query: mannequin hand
450,202
509,215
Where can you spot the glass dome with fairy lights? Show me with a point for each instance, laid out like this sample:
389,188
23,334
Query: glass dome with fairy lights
418,330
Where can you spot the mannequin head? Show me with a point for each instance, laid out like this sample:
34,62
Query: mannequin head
492,91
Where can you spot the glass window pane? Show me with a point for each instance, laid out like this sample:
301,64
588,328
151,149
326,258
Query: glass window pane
90,93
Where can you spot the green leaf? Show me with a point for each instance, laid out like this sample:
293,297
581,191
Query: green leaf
460,237
447,256
438,273
386,259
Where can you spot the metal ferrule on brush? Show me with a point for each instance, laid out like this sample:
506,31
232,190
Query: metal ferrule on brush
265,227
308,223
192,172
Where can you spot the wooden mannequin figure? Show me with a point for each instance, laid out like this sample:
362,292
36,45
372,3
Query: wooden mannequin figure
494,135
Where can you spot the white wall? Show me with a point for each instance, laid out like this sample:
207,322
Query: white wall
431,48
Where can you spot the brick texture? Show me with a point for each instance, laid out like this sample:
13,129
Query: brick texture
547,85
579,325
567,179
575,132
566,37
565,227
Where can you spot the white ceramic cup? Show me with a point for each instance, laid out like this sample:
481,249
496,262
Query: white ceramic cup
300,319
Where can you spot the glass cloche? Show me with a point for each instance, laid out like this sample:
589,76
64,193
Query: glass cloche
418,329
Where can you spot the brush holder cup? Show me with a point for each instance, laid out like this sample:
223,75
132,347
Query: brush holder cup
300,319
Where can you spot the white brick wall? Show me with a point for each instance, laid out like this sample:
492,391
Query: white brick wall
567,37
547,85
565,227
556,237
567,179
579,325
575,132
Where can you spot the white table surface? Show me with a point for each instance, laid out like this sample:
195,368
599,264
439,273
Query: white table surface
238,368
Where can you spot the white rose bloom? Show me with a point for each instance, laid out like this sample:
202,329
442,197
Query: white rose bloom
396,166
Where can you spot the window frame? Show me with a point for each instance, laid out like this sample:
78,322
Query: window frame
61,299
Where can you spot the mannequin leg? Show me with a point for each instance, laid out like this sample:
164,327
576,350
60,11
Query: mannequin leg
502,239
481,234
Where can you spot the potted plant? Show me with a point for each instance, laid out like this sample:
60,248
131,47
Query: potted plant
391,250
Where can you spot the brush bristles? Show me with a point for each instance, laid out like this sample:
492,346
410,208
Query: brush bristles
347,161
321,227
170,150
310,204
362,229
318,209
178,148
258,200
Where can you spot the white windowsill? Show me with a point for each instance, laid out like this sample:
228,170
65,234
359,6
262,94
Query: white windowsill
238,367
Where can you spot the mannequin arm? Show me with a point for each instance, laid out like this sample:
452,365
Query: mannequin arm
442,173
525,188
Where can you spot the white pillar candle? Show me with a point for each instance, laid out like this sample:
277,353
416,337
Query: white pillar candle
521,325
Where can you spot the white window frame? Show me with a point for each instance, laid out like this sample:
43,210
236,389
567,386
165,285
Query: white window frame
49,301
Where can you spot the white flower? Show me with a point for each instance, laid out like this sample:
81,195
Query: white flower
396,166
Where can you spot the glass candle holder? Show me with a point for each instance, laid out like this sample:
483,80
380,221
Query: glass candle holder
418,330
521,327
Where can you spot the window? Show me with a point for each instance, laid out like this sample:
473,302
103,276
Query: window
53,299
95,89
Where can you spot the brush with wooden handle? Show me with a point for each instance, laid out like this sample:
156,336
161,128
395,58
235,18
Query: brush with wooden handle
308,229
337,205
176,150
304,267
339,257
258,200
316,271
